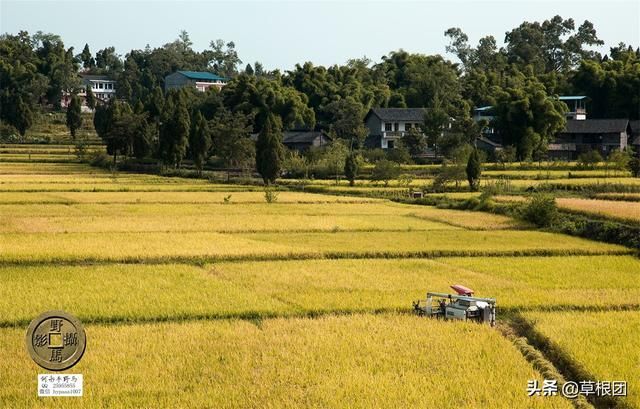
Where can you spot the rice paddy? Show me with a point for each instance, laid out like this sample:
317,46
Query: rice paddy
202,294
604,343
626,211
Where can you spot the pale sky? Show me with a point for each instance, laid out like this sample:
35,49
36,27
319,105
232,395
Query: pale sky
283,33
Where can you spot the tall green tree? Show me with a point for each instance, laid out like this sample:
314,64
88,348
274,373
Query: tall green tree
74,115
200,141
351,168
526,116
269,149
21,116
415,141
86,58
230,134
346,118
174,130
473,170
103,120
90,98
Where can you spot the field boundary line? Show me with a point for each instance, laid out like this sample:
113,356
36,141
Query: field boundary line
539,361
204,259
252,316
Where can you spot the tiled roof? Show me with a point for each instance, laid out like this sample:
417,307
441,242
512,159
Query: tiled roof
300,136
202,75
596,126
398,114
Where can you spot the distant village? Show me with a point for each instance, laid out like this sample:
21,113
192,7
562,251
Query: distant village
386,126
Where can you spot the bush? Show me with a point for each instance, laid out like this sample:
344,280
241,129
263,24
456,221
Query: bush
100,160
8,133
634,167
373,155
295,165
399,154
541,210
270,195
589,159
385,170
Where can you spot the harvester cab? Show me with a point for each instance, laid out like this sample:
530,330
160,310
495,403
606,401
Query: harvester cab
460,306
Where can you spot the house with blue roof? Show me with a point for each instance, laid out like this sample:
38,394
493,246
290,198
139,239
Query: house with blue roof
200,80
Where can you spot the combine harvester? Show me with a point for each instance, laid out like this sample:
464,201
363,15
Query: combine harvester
462,306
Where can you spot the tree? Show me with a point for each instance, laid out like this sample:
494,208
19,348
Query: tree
415,141
74,115
506,155
200,141
346,119
249,70
174,130
259,97
223,58
86,58
269,149
22,116
108,61
526,116
103,121
333,157
385,170
230,135
351,168
473,170
435,122
634,167
90,98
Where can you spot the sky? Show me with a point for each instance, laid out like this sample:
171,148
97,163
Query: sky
280,34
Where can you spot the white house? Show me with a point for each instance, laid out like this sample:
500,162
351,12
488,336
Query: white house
102,86
387,125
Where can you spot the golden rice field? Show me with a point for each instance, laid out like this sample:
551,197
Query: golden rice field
300,287
630,197
356,361
604,343
215,298
627,211
615,209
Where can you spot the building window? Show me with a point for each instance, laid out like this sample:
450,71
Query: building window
396,127
387,126
101,86
390,144
407,126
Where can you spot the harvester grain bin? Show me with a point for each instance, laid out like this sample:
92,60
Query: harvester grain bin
460,306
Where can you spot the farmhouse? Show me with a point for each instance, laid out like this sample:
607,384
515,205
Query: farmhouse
603,135
303,140
200,80
387,125
102,86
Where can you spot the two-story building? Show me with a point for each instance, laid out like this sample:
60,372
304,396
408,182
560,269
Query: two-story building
199,80
102,86
578,136
387,125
